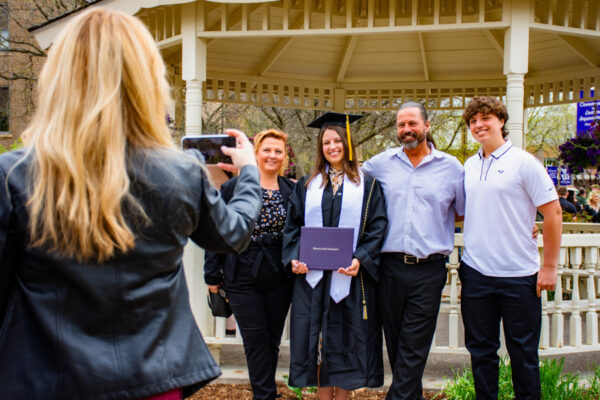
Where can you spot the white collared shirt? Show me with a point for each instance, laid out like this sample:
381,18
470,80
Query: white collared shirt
420,202
503,192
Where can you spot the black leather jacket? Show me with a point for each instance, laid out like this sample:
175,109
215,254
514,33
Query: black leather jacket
122,329
220,268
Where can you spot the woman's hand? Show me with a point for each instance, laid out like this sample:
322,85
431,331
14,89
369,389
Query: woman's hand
241,155
352,270
213,288
299,267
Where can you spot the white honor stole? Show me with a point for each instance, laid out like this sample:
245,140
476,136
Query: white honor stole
352,200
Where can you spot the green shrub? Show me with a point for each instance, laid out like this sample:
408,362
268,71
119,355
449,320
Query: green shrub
299,392
594,388
554,384
16,145
461,386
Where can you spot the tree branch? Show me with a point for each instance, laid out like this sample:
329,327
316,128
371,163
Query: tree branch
11,76
38,52
25,51
456,130
39,8
375,132
269,116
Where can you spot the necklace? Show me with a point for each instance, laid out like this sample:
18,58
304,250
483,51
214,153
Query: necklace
271,188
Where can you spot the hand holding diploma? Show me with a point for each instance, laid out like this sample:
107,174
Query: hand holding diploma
299,267
352,270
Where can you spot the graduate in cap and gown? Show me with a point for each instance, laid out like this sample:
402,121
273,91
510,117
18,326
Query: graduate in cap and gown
335,338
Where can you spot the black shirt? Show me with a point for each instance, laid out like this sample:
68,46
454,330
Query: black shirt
567,206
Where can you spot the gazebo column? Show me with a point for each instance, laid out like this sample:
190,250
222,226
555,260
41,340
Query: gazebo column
514,103
516,58
193,107
193,69
193,72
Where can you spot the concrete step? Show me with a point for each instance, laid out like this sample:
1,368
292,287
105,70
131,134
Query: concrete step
240,375
440,365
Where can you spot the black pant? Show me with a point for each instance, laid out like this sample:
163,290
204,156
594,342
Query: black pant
485,301
260,314
409,299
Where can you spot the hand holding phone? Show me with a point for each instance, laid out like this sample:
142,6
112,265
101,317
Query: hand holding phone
230,152
210,147
241,155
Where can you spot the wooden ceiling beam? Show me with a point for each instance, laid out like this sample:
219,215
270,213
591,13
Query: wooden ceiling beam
581,49
423,55
496,39
273,55
277,50
346,55
234,18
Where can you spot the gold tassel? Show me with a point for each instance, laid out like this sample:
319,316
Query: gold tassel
362,284
349,141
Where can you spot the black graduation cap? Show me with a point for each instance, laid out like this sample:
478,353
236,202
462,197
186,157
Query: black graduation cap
333,118
338,119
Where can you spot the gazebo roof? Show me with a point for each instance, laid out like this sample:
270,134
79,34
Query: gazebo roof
376,53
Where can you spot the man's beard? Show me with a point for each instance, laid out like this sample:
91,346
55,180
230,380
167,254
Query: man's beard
413,143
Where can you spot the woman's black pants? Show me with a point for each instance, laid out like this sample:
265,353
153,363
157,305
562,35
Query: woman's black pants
260,313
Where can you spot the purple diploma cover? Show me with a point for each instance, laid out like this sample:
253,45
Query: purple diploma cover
326,248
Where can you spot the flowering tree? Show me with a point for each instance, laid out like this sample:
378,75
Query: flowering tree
582,151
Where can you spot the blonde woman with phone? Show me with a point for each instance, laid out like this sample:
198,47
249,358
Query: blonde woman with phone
94,214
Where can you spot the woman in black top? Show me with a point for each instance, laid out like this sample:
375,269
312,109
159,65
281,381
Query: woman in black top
258,289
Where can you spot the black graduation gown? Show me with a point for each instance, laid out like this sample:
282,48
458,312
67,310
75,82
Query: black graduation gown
352,346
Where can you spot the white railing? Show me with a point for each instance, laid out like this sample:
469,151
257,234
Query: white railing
569,314
578,227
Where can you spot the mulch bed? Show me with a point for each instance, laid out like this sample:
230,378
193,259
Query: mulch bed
223,391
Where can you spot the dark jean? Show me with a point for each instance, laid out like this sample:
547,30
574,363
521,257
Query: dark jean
486,300
409,299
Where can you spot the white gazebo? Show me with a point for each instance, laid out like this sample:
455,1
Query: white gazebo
366,55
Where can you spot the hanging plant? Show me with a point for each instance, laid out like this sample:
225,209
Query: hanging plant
582,151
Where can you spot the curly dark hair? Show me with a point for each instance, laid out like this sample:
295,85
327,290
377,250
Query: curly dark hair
486,105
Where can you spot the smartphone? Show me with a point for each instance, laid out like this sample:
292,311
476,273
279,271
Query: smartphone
210,146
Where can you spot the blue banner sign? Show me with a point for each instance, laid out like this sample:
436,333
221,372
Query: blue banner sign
565,177
553,172
587,113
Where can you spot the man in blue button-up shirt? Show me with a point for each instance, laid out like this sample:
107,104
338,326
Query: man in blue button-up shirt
424,193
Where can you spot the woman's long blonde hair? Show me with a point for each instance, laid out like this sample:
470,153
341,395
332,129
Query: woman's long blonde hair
102,90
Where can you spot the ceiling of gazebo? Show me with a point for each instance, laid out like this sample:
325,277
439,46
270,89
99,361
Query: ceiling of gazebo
394,60
278,45
457,55
379,49
375,58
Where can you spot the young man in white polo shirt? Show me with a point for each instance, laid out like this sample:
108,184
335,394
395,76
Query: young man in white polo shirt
500,270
